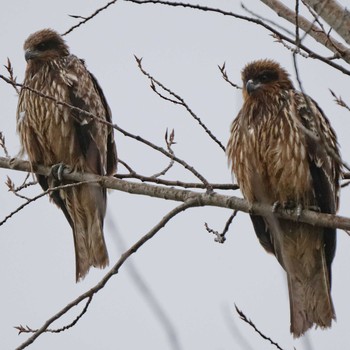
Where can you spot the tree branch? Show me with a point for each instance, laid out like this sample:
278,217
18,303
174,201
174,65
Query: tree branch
325,39
335,15
179,195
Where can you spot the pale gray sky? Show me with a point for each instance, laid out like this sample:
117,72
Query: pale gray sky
195,280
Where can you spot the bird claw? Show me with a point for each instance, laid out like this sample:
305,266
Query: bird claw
275,206
299,210
288,205
57,171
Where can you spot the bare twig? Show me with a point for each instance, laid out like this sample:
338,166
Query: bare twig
9,68
339,100
177,183
116,127
309,28
12,188
3,144
220,237
27,329
266,20
30,200
244,318
86,19
334,14
178,100
115,269
169,140
226,78
258,22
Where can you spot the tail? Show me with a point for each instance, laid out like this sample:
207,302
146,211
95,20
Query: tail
86,205
310,303
301,250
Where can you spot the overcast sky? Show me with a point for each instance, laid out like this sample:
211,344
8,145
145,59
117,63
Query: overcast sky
195,281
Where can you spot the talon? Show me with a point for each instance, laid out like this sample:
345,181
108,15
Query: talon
57,171
299,210
250,210
314,208
275,206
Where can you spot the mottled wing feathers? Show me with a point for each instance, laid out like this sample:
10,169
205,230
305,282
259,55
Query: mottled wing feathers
95,139
54,133
111,148
283,149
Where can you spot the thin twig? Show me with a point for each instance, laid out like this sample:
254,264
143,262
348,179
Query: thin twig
225,76
266,20
3,145
258,22
180,100
27,329
244,318
49,190
12,188
169,140
339,100
86,19
116,127
177,183
9,68
220,236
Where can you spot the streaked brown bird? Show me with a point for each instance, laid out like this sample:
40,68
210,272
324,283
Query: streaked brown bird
51,133
283,150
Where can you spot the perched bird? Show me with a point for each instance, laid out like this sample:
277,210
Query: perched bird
52,133
283,151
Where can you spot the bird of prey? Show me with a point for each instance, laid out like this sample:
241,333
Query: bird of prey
283,151
53,133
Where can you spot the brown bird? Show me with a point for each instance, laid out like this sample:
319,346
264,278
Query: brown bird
283,151
51,133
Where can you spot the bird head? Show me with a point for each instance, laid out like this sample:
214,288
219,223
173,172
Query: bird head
44,45
264,76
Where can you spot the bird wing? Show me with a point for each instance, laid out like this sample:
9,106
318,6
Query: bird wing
94,139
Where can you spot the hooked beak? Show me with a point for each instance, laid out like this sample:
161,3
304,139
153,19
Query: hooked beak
30,54
252,85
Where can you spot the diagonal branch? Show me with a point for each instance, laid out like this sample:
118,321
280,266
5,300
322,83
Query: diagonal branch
314,31
256,21
334,14
191,202
244,318
116,127
178,100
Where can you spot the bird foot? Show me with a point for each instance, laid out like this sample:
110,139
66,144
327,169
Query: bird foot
57,171
288,205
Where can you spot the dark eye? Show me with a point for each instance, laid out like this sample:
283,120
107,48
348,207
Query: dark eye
265,78
45,45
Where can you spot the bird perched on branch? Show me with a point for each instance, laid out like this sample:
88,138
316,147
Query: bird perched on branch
284,152
53,133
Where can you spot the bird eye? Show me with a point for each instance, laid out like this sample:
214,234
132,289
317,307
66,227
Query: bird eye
264,78
42,46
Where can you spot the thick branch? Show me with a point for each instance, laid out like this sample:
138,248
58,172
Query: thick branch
202,199
335,15
326,40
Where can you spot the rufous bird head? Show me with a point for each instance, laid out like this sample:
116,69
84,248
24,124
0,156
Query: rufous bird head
44,45
264,76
